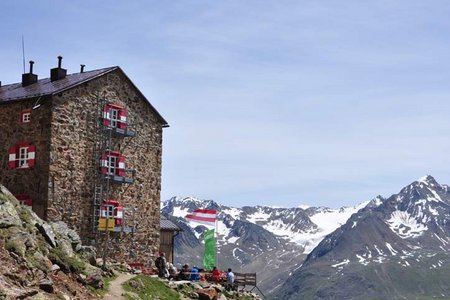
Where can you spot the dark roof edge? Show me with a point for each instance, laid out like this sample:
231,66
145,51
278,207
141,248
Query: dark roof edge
107,70
165,124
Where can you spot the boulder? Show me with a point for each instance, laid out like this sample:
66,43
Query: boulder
47,232
46,285
88,253
95,280
8,215
67,235
55,268
207,294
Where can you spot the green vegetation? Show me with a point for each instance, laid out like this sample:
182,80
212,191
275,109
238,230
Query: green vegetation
149,288
102,292
59,257
17,246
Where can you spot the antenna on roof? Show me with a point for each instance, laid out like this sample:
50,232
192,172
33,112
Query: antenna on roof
23,54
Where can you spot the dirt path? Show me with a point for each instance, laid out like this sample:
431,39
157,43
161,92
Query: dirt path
115,288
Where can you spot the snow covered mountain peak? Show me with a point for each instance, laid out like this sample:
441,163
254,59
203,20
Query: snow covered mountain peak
304,227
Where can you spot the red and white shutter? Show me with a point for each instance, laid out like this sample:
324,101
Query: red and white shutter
31,161
104,211
119,215
24,199
122,119
13,158
106,115
104,163
120,170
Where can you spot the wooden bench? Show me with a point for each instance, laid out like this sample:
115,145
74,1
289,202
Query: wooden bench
246,279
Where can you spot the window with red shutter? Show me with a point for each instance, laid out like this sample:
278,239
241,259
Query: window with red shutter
22,156
114,116
113,164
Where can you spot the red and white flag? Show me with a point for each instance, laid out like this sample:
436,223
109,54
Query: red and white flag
206,217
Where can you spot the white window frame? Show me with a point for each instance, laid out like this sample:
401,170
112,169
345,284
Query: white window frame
26,117
111,164
114,117
108,211
23,157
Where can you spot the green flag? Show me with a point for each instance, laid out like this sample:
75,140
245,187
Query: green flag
209,258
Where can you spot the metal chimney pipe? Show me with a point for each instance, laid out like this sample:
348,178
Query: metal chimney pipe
59,61
82,69
31,66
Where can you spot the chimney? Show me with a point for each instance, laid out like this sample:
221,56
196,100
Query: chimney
29,78
58,73
82,69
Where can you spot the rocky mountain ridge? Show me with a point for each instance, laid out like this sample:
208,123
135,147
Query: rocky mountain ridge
394,248
270,241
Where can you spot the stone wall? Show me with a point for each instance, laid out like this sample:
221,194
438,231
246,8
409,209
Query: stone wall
72,169
32,181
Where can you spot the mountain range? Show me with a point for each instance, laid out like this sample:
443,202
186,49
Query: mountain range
393,248
386,248
270,241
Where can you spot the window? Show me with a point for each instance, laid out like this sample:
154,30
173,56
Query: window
114,116
24,199
25,117
113,164
112,209
108,211
22,156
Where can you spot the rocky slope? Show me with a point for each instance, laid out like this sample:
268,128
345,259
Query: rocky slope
270,241
394,248
41,260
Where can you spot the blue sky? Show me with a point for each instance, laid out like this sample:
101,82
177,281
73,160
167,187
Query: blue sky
270,102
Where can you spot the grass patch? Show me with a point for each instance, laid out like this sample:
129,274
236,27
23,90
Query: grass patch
150,288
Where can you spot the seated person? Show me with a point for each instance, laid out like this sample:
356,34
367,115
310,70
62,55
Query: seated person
172,271
184,273
216,275
195,276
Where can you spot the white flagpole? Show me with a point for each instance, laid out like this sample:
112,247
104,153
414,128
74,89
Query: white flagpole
215,243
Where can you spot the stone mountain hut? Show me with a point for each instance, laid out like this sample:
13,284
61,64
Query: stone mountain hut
85,148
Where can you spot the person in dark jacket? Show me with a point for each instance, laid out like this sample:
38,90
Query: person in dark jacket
161,265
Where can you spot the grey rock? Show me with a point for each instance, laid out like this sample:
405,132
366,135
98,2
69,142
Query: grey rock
95,280
64,232
47,231
8,215
89,253
46,285
55,268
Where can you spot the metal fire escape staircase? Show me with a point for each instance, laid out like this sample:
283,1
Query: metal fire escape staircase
104,143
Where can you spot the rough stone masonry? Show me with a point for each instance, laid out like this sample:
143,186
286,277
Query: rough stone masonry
61,183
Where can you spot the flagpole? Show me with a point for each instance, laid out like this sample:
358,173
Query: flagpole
215,244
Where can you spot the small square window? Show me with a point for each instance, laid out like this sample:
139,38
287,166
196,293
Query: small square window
25,117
